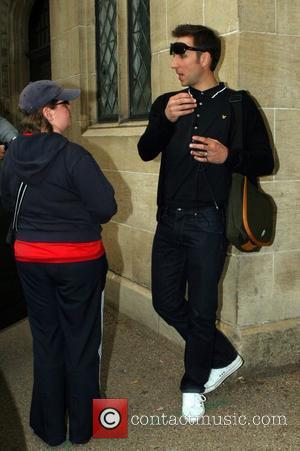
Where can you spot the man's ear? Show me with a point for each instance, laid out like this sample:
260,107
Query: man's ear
205,59
48,113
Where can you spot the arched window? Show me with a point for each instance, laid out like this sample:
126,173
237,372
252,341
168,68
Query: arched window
107,66
39,41
139,57
123,59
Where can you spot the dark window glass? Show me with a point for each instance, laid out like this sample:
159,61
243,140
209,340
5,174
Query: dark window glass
139,57
107,68
39,41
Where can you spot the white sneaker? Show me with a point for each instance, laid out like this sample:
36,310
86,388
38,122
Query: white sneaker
218,375
193,406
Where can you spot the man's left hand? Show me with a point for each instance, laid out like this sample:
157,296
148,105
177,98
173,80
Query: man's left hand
208,150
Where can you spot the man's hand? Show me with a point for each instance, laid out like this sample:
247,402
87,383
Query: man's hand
2,151
208,150
181,104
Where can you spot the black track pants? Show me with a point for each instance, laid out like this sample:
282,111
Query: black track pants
64,309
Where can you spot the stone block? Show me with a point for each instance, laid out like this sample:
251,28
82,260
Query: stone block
179,12
87,49
228,293
287,234
128,251
74,134
287,143
287,198
136,198
221,15
159,34
119,153
92,98
86,12
63,16
118,242
141,256
256,303
268,115
257,15
65,55
287,283
227,69
288,16
270,345
132,300
155,80
273,83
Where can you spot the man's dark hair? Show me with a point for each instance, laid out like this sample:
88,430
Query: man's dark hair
203,37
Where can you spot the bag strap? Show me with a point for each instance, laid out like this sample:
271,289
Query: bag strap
20,196
236,103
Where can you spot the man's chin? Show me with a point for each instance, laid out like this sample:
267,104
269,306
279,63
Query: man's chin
184,83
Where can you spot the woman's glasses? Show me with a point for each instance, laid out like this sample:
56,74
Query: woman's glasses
62,102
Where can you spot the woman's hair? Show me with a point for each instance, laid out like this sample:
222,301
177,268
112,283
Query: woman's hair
36,121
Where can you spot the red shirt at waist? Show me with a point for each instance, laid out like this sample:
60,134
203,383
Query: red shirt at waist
57,252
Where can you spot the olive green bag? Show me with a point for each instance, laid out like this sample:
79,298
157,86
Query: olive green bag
251,213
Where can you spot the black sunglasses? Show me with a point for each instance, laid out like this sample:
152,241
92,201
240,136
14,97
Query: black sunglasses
179,48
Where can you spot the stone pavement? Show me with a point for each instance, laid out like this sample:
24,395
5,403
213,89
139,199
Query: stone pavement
248,412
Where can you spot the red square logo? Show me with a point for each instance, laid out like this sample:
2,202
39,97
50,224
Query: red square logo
110,418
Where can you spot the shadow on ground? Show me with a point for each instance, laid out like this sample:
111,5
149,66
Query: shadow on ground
11,429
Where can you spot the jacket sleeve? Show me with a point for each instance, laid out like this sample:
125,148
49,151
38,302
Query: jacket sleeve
8,184
95,191
158,132
7,131
255,158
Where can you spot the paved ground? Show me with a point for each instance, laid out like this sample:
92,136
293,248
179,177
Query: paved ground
147,371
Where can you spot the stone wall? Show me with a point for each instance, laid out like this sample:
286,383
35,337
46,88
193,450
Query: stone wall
259,298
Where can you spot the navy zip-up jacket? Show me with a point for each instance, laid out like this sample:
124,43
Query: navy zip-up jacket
67,196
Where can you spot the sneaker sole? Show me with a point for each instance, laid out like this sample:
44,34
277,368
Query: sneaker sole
234,368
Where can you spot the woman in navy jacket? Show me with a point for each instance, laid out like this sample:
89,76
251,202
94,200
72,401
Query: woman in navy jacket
60,259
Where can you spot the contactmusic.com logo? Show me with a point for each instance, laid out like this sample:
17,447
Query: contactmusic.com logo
110,418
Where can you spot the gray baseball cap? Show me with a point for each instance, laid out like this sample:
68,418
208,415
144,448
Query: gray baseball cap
38,93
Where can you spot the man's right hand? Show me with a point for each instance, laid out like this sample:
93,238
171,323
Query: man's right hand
181,104
2,151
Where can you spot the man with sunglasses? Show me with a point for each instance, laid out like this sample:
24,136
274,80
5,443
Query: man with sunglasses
194,130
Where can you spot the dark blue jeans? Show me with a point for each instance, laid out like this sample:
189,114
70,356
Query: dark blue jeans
189,251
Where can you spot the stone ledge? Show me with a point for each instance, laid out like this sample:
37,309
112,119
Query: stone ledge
262,346
116,129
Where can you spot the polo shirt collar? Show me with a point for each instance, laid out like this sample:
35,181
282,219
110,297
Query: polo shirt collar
208,93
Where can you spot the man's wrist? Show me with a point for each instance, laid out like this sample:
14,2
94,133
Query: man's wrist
165,120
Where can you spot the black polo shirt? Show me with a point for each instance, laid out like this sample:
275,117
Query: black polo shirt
183,181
